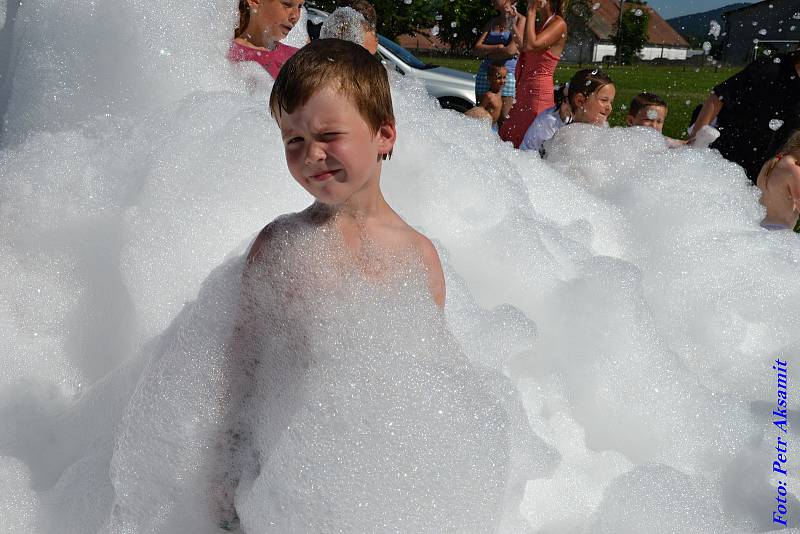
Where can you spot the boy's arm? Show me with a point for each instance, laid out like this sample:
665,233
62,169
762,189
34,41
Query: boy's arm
433,266
674,143
240,376
710,110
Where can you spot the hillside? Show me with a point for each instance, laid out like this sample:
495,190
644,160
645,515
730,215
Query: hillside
696,25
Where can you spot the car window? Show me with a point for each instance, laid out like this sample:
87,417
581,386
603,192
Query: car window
407,57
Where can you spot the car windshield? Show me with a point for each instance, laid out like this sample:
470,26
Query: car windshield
407,57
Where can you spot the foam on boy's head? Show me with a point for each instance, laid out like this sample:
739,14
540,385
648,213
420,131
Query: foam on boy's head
645,100
345,66
367,11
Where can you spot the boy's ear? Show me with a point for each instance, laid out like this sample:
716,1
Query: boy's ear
387,135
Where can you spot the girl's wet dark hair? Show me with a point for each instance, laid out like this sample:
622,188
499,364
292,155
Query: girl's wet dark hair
587,82
244,18
560,94
559,6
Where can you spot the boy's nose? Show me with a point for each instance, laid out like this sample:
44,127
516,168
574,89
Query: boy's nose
314,153
294,15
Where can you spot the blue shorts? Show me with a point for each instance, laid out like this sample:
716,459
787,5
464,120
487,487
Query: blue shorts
482,83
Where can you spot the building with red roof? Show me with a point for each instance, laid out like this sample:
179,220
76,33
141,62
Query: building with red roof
593,43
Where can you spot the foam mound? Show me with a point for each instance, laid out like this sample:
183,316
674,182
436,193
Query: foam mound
612,312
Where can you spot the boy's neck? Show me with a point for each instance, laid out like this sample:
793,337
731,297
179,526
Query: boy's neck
366,203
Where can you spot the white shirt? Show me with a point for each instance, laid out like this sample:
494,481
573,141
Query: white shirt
545,126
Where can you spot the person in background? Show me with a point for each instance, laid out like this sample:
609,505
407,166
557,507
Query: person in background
262,24
755,109
540,50
590,99
779,182
649,110
548,122
498,42
491,105
367,10
355,21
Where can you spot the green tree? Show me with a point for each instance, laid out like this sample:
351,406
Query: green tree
577,18
459,23
631,32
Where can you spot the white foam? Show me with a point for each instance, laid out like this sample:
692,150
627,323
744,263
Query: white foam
624,288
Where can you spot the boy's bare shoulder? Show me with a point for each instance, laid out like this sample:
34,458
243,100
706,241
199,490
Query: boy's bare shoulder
283,226
426,248
433,265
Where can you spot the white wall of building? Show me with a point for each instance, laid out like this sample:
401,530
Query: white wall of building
648,52
602,50
655,52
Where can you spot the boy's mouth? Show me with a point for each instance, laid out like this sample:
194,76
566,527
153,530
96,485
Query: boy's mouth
285,28
323,176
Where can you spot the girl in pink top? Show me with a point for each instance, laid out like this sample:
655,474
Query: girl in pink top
262,24
540,51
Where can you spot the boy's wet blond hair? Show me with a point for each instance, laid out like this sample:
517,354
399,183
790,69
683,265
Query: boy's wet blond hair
346,67
791,144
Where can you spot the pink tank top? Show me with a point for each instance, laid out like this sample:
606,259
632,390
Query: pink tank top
272,60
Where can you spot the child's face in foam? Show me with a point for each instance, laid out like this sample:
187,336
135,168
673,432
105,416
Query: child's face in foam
276,17
649,117
330,149
597,107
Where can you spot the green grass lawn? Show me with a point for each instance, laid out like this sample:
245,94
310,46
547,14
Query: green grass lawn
682,87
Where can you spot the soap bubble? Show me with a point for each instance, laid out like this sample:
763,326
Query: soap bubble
775,124
714,29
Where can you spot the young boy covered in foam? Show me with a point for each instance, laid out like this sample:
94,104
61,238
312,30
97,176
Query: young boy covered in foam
335,148
355,21
779,181
351,405
649,110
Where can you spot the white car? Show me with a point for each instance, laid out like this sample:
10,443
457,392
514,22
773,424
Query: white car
453,89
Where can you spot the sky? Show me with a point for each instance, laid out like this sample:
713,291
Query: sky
676,8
